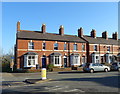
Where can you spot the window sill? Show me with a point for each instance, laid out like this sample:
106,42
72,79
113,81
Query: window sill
83,51
75,64
57,65
31,49
43,49
31,66
75,50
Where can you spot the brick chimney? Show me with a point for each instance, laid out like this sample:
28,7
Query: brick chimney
105,35
115,35
43,28
93,33
80,32
61,30
18,26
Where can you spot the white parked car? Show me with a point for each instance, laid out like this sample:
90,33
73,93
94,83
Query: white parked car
91,67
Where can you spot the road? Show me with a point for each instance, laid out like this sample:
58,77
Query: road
63,82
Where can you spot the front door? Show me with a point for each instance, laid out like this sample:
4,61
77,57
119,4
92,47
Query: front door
65,62
43,62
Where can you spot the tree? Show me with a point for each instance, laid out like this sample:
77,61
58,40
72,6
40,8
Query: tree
6,60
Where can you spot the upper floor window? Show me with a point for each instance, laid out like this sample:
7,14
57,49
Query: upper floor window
31,45
75,46
56,46
65,46
43,46
95,47
83,47
108,48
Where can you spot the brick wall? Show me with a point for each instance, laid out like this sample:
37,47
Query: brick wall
22,48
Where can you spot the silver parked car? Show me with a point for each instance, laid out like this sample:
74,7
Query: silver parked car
91,67
115,66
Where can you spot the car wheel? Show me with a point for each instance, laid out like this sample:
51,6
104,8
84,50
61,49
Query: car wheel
118,69
106,70
91,70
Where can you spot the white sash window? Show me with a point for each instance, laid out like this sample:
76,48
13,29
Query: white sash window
30,60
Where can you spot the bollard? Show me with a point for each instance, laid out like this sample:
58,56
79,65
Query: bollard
43,74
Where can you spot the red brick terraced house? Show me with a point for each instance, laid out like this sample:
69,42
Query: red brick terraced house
101,49
37,49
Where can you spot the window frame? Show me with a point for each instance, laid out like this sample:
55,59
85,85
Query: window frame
43,46
53,60
26,61
65,46
108,48
73,59
31,45
30,59
83,47
75,48
95,48
55,47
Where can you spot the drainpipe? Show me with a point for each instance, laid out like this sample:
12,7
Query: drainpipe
69,52
99,55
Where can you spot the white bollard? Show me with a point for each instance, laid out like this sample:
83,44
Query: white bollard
43,74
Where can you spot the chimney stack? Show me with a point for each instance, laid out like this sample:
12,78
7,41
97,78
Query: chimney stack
43,28
105,35
80,32
18,26
115,35
61,30
93,33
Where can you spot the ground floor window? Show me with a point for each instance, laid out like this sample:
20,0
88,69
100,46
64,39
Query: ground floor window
95,58
57,60
83,59
75,59
30,60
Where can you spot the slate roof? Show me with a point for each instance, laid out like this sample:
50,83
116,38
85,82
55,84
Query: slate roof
100,40
30,53
48,36
56,54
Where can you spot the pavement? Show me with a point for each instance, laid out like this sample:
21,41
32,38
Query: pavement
61,82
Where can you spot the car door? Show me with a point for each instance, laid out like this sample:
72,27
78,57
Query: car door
95,67
101,68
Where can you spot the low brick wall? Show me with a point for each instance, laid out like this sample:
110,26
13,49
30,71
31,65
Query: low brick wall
67,69
54,69
61,69
33,70
80,69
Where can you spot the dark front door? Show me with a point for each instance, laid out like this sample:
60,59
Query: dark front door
65,62
43,62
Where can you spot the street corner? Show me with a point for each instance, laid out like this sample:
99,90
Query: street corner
34,81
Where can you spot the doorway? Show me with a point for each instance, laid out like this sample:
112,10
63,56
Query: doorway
65,61
44,61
